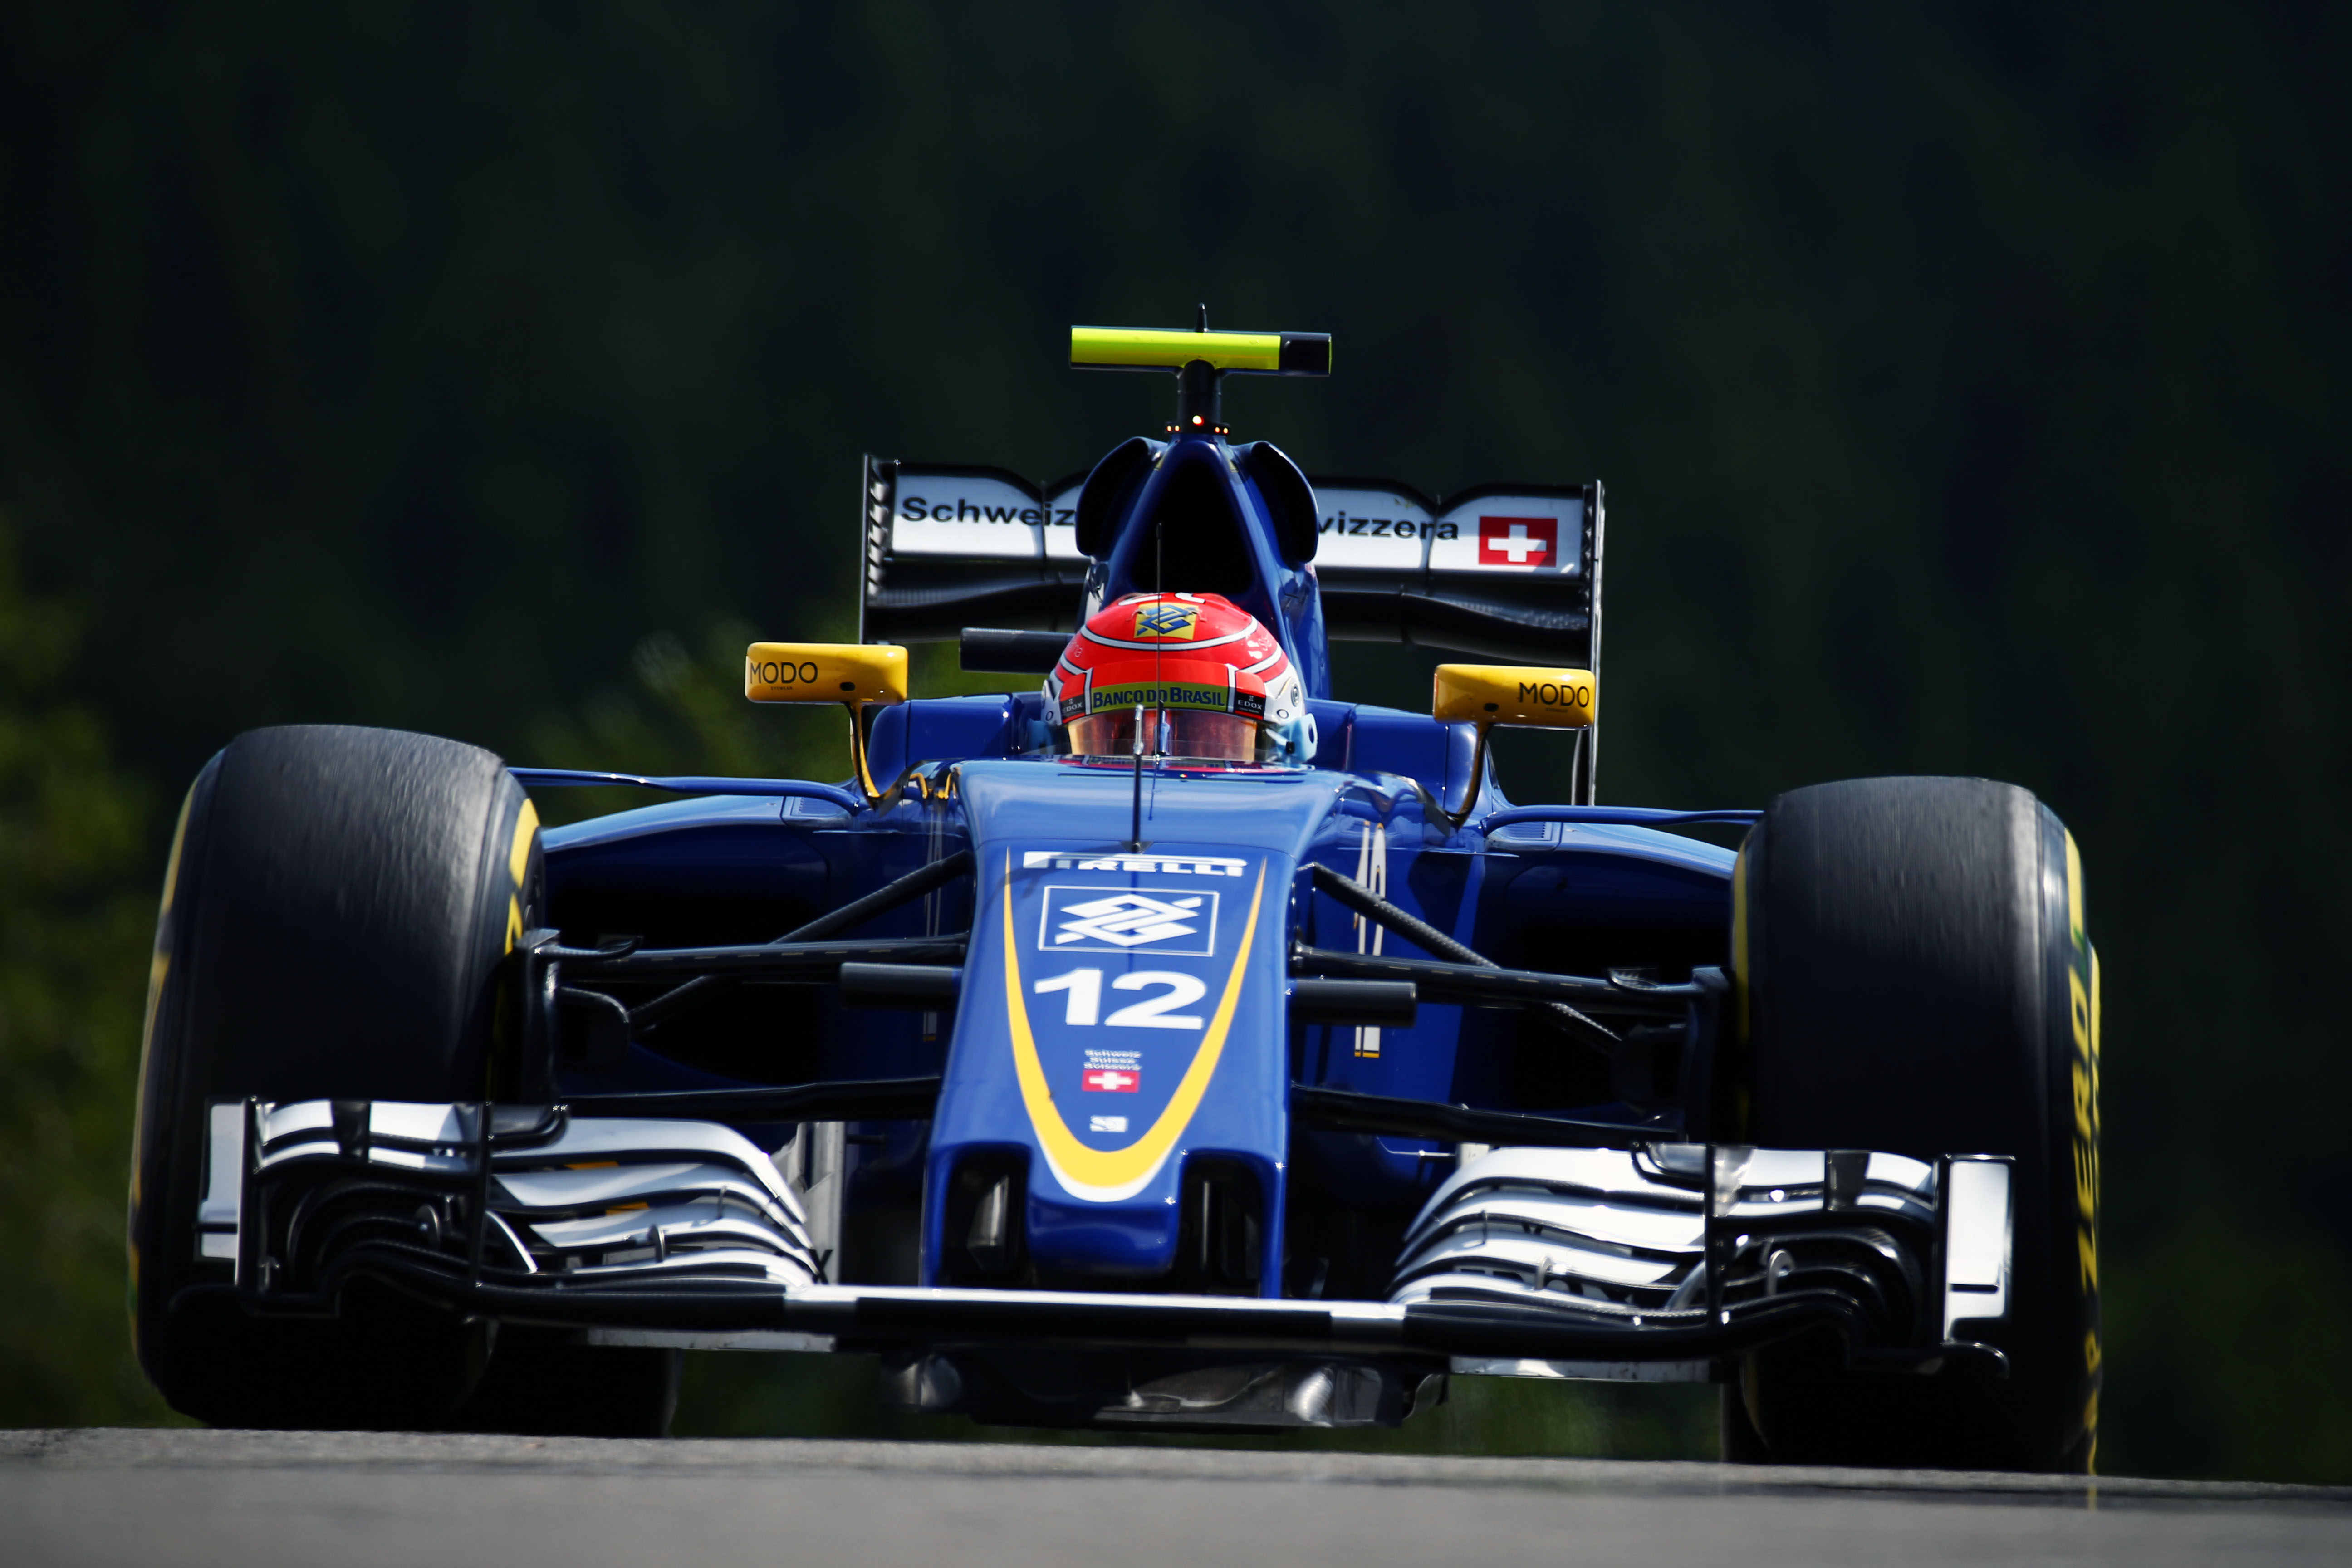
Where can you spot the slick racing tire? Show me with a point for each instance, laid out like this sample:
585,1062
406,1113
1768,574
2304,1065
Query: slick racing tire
337,912
1912,974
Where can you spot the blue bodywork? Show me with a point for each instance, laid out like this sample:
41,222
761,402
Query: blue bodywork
1124,1014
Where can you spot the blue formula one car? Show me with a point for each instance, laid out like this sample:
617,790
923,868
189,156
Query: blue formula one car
1168,1045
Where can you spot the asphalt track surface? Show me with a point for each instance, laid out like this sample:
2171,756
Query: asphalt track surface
260,1499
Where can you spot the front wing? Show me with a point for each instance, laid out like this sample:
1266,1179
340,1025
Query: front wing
1652,1262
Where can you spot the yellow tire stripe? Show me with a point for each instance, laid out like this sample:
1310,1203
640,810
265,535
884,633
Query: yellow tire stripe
518,862
2074,891
519,853
159,968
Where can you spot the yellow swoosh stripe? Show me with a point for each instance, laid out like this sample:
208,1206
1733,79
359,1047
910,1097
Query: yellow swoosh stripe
1107,1176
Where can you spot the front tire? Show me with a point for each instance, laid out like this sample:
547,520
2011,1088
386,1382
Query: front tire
1912,974
336,917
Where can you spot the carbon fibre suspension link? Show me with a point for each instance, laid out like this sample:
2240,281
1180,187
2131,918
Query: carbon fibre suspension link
889,896
1420,934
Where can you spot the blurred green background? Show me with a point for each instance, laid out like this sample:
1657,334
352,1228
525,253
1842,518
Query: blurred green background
1969,381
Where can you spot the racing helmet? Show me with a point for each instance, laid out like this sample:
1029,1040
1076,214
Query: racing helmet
1211,683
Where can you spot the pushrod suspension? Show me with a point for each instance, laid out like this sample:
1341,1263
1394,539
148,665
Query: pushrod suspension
906,889
1420,934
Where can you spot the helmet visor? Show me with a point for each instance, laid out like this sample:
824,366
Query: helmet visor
1168,732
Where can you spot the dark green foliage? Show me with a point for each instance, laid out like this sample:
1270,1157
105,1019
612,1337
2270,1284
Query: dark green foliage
680,711
75,922
1968,381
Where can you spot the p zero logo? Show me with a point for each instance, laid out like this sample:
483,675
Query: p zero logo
2083,1007
1127,920
1519,542
779,672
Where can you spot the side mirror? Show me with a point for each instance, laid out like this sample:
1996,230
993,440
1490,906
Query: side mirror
1484,694
855,675
1491,694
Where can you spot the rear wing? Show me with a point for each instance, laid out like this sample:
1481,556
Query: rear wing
947,548
1506,572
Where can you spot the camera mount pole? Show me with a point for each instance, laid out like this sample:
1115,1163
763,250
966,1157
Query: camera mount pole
1135,822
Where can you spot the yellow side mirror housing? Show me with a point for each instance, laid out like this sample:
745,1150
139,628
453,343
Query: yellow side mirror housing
852,673
856,675
1484,694
1491,694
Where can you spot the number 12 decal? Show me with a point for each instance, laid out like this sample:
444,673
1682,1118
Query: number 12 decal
1084,989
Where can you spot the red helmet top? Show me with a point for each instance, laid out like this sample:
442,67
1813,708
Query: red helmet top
1219,681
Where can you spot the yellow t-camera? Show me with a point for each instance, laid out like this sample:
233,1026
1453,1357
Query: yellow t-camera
1152,348
1201,360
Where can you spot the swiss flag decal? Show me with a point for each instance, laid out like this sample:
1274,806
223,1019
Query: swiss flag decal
1114,1080
1519,542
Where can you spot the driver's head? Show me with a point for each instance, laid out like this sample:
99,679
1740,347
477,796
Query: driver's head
1212,683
